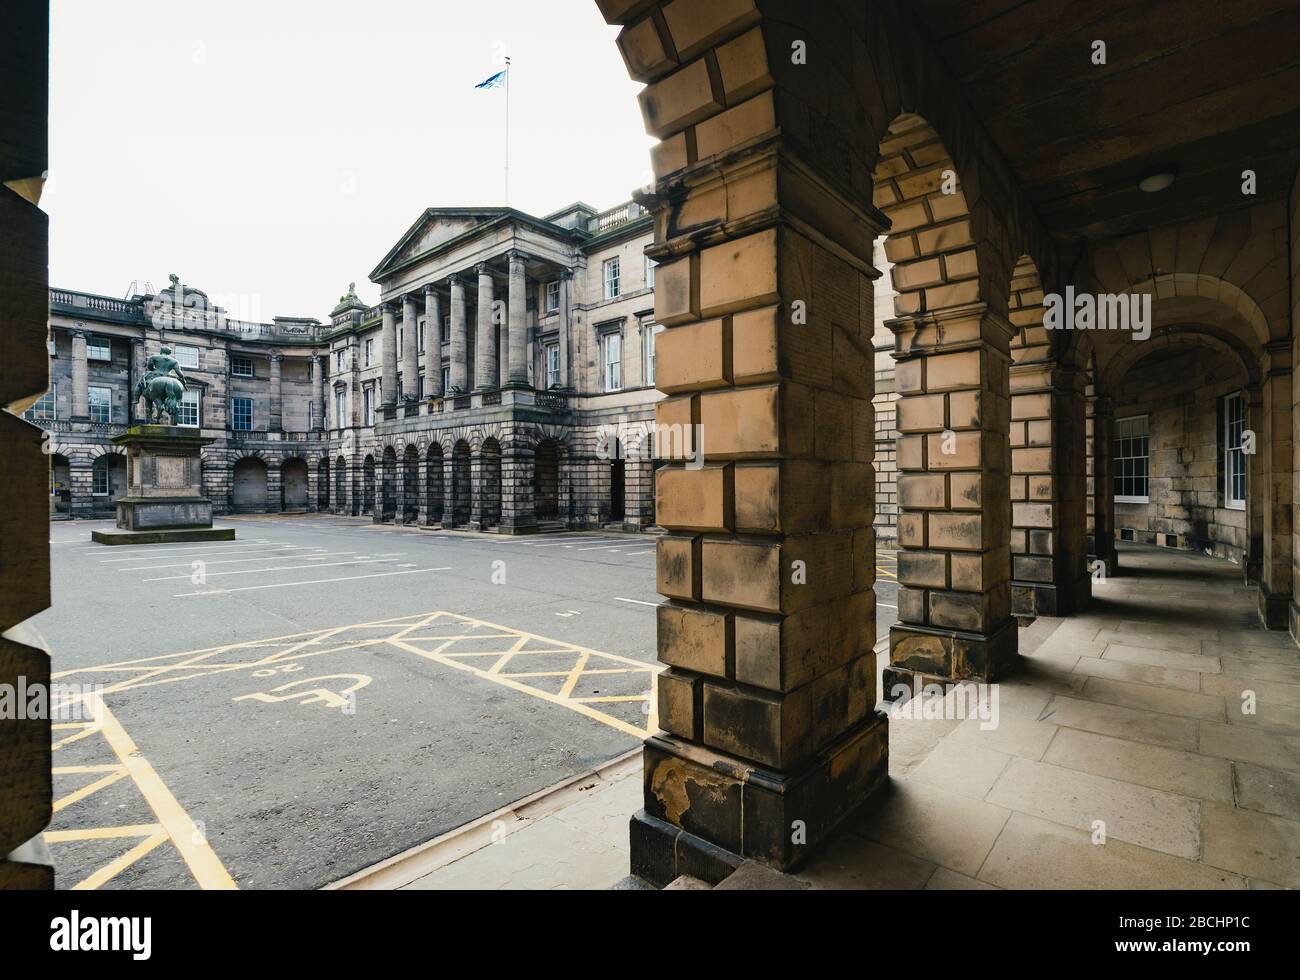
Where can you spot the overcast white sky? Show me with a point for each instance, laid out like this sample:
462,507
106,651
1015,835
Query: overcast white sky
270,152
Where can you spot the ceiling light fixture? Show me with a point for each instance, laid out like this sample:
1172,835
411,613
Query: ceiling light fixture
1156,180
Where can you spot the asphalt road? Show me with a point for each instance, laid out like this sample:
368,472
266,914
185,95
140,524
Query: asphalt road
323,693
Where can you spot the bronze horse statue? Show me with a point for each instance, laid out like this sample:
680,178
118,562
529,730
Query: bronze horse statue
163,387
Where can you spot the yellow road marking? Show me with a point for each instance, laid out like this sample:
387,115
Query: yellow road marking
102,833
90,788
204,864
115,867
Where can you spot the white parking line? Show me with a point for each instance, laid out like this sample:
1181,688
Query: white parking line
282,568
639,602
260,549
319,581
237,561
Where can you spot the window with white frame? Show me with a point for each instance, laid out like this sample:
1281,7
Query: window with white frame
613,288
99,477
370,352
187,357
241,367
650,266
99,349
612,361
46,407
101,404
1132,460
552,300
189,408
368,406
339,360
552,366
241,414
340,407
422,331
649,331
1234,456
446,378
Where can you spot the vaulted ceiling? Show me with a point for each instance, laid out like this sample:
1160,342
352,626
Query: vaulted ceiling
1208,87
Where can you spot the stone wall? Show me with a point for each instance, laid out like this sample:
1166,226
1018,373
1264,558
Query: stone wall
1180,395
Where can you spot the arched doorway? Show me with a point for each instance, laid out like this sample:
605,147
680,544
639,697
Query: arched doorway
460,484
368,486
546,481
340,485
293,484
388,486
60,485
617,483
433,484
108,479
490,484
323,484
248,493
411,485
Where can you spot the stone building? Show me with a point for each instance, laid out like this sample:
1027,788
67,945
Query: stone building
505,381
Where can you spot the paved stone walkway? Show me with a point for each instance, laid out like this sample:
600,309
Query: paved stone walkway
1121,758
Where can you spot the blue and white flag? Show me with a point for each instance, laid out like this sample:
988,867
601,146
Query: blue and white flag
496,81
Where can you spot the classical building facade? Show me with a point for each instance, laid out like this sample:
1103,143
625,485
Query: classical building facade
505,381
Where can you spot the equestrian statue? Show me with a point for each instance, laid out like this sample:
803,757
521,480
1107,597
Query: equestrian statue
163,387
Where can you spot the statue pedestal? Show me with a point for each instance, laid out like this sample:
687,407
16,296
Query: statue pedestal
164,502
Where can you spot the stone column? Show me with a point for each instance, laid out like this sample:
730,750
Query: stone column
388,340
433,340
410,350
518,340
485,359
80,378
954,597
1048,490
566,324
1101,541
459,337
1256,477
1275,444
275,418
319,393
137,375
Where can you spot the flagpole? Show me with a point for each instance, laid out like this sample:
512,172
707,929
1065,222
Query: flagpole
507,132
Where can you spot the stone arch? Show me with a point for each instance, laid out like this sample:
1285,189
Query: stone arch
340,484
323,482
411,484
388,485
249,483
368,484
294,483
461,483
434,484
60,483
489,489
547,467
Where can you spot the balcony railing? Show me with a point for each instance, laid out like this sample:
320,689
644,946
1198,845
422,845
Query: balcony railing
621,215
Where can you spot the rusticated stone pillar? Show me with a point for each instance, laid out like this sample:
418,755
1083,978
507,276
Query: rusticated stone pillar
410,350
459,337
80,378
388,340
1275,443
485,344
954,563
770,735
137,375
1048,490
1101,434
1257,474
433,340
517,344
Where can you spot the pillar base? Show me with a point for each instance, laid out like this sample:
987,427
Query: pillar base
1033,599
944,655
1274,608
703,806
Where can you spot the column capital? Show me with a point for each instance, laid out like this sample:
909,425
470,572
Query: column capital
483,269
276,357
456,279
566,272
516,256
430,289
388,306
